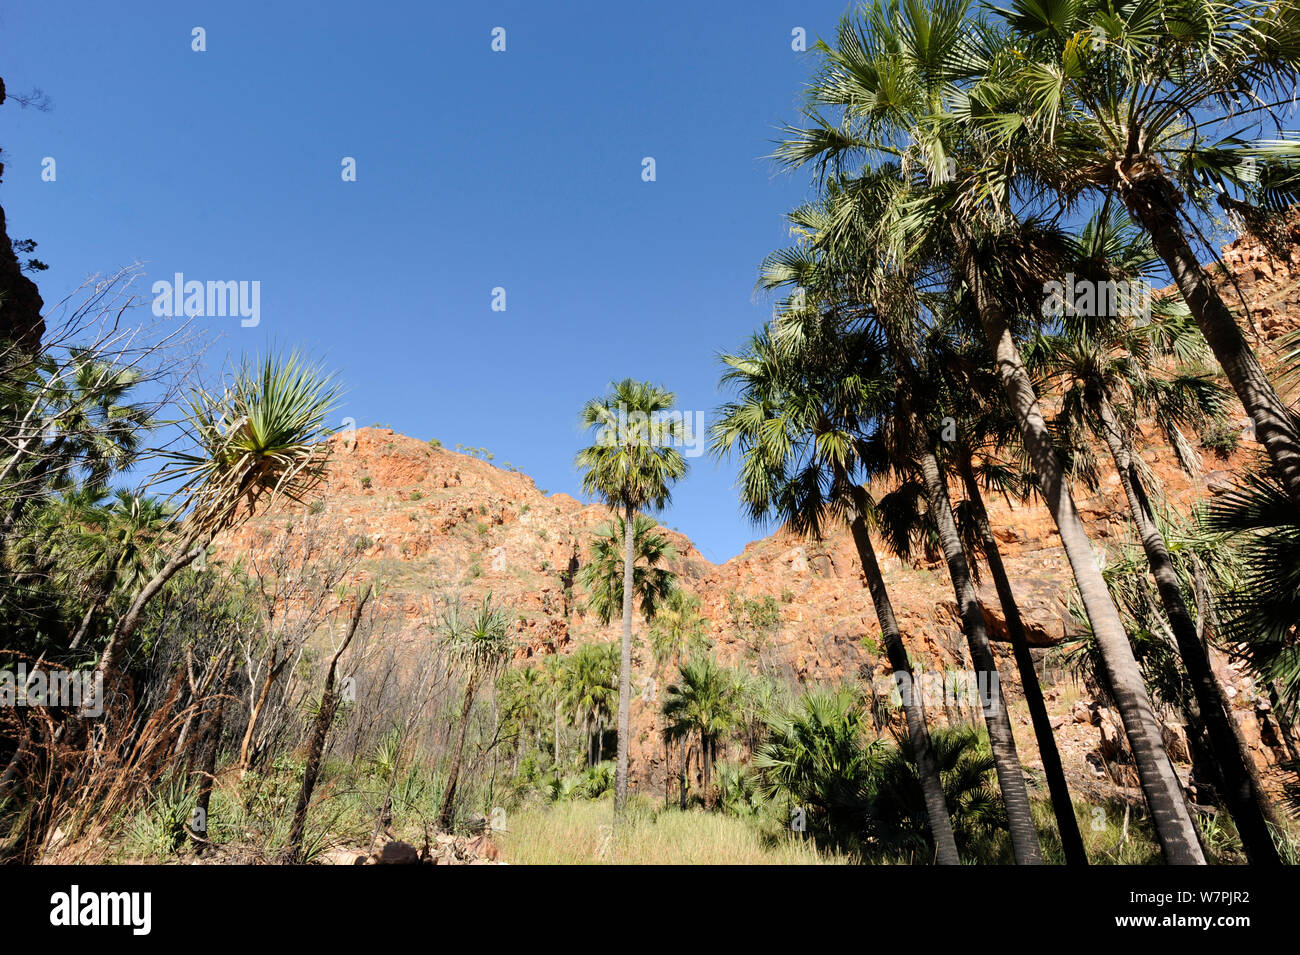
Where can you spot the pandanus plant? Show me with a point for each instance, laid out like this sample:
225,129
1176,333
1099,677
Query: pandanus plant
258,439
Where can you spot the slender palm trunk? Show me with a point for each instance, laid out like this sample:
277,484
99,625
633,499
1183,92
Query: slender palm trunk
1239,787
1154,203
1173,822
625,665
559,762
446,813
706,768
918,734
1067,823
668,771
1011,777
683,773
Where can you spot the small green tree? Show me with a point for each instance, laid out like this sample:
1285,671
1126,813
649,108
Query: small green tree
702,702
481,643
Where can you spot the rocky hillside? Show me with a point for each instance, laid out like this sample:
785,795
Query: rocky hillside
432,522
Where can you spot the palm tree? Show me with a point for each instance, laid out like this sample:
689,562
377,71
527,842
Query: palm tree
92,425
798,426
1111,369
590,675
481,643
1067,824
1166,105
1024,833
630,467
602,576
117,550
905,522
45,548
844,275
966,762
817,754
1261,610
679,631
523,705
894,74
701,702
257,440
556,688
981,432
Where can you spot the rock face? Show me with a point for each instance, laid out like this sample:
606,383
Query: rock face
20,302
430,522
1266,280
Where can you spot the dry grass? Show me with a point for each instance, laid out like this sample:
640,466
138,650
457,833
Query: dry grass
581,833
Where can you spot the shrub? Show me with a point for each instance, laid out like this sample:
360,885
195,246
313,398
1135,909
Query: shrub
966,767
737,789
1221,437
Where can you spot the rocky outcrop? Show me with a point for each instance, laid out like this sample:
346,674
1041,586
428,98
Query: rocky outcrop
431,522
20,301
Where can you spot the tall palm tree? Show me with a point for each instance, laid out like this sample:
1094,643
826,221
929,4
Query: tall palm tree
976,450
922,437
678,633
844,273
46,580
481,643
1067,823
258,439
979,432
631,467
1167,104
895,72
701,702
1113,369
798,422
556,675
523,707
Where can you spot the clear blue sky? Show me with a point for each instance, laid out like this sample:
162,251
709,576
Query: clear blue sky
475,170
